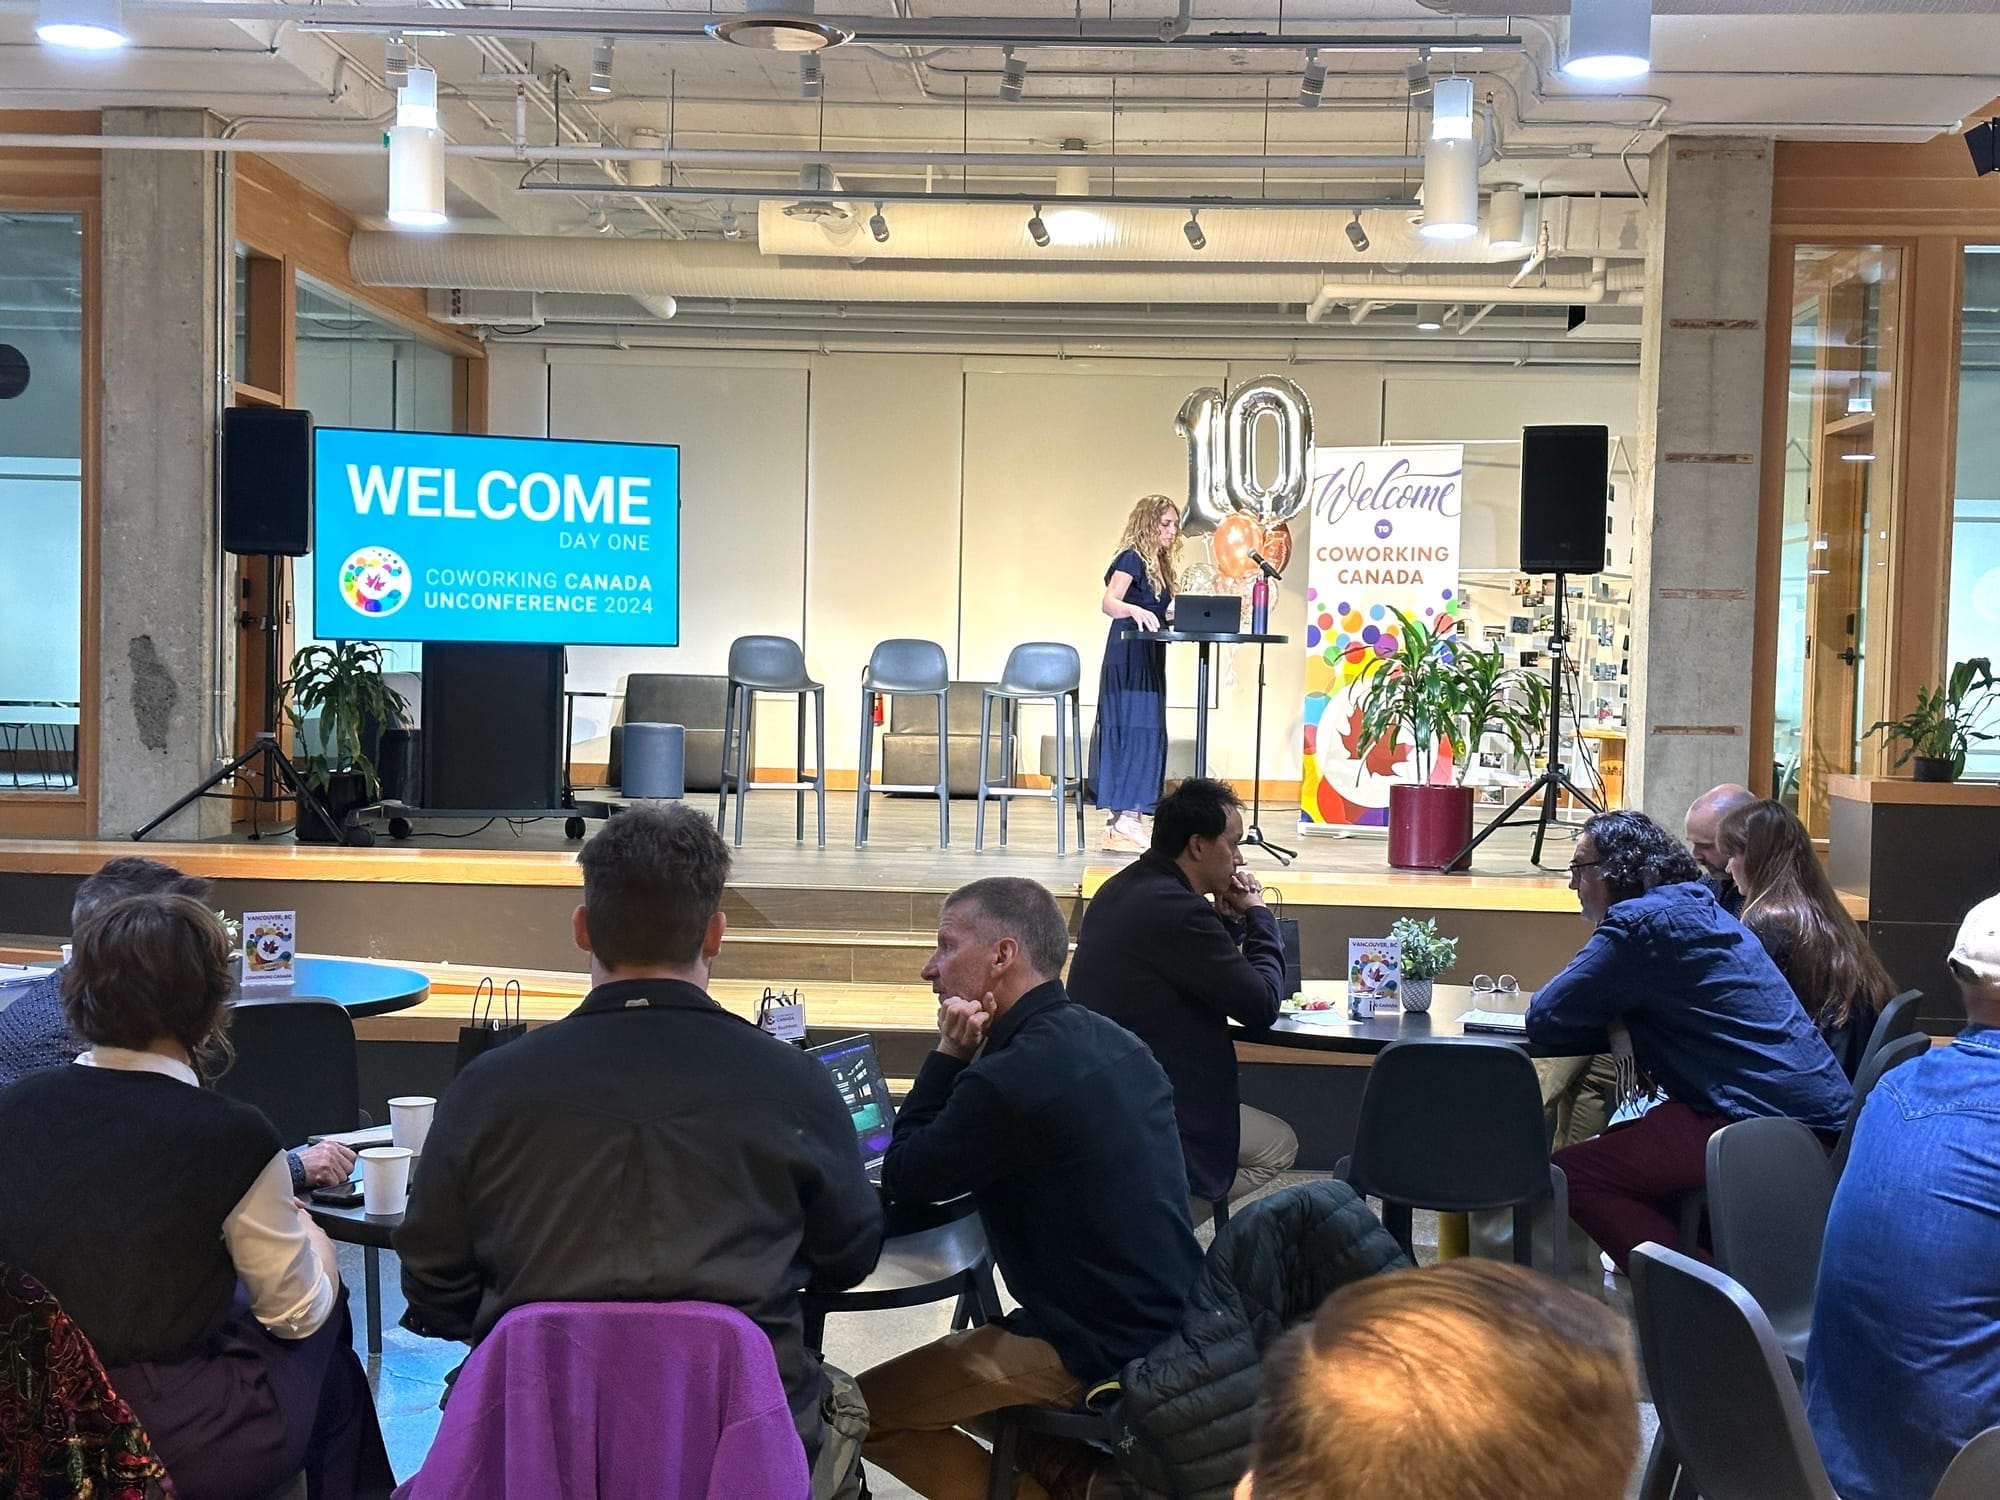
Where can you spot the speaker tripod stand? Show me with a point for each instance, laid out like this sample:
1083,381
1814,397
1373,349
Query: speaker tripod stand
1254,834
266,758
1554,779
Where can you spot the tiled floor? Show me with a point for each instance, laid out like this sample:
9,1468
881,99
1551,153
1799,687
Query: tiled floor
409,1376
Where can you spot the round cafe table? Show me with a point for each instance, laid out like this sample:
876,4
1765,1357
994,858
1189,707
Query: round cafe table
355,1226
1331,1031
364,987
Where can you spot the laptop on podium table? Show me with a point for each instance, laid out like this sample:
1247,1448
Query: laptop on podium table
1208,614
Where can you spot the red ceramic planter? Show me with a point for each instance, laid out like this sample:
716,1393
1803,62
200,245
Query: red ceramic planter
1428,825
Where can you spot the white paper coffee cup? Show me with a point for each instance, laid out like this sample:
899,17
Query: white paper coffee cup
410,1120
385,1180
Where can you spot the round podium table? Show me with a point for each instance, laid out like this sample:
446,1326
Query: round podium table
1204,644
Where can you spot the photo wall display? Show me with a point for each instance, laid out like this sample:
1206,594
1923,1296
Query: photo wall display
1516,612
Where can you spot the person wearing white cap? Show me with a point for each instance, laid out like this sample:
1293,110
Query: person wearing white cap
1905,1361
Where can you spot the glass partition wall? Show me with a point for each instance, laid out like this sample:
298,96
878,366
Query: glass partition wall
356,370
1973,622
1840,468
41,499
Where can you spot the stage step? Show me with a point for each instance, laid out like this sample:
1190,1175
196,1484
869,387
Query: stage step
805,957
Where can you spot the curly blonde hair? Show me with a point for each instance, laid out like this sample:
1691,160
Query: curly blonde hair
1162,567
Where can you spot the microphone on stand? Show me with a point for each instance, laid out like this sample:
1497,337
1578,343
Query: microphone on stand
1269,571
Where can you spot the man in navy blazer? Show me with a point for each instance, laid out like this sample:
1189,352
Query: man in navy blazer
1173,948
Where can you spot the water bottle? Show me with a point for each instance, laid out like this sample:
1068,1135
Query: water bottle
1260,606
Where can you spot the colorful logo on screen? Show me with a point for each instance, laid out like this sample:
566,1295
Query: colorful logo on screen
375,581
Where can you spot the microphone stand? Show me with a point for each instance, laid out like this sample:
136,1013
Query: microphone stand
1254,834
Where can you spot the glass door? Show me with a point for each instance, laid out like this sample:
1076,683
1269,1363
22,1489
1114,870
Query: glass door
1973,627
1840,477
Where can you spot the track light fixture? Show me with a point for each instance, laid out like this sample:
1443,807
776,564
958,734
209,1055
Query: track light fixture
82,25
600,66
1418,75
1609,40
811,81
1451,109
879,226
1430,317
396,62
1312,81
1013,76
731,230
1356,235
1192,229
1037,230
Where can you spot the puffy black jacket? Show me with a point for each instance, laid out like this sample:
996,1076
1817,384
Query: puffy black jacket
1189,1407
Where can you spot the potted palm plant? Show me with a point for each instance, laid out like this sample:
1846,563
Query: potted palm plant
1442,693
341,687
1947,722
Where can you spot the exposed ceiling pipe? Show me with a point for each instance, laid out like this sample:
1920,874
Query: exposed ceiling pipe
1600,285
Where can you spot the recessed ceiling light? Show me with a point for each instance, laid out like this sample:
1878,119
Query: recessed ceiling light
82,25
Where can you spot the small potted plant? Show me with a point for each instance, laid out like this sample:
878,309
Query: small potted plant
1425,955
342,686
1442,693
1947,722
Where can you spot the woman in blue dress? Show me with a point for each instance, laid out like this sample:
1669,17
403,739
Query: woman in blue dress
1128,756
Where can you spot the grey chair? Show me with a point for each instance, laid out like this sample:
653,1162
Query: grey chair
1731,1416
1457,1126
770,664
1769,1189
1893,1055
1036,671
904,668
1975,1473
1898,1019
1082,1424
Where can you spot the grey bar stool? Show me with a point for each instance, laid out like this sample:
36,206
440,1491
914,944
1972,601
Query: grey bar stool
908,669
769,664
1037,670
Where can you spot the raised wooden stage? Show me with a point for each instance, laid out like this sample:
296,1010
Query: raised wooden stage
849,928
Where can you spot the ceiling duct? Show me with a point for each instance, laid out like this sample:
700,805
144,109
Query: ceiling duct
816,212
779,26
692,269
941,230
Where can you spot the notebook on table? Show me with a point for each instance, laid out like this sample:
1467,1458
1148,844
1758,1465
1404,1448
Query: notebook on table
857,1073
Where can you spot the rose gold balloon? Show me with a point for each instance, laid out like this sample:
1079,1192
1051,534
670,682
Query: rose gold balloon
1277,548
1234,538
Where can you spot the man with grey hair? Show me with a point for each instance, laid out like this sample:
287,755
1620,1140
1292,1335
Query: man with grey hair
1060,1125
1704,818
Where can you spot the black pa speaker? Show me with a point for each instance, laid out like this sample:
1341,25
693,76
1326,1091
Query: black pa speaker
267,482
1980,142
1565,487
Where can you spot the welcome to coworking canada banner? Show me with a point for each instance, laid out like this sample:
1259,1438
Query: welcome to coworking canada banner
1384,537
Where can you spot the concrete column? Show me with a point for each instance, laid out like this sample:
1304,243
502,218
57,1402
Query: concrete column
1701,417
161,652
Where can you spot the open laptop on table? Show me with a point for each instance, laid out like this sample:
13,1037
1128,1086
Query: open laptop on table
857,1072
1208,614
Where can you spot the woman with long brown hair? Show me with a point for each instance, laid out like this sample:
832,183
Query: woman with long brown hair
1128,754
1791,906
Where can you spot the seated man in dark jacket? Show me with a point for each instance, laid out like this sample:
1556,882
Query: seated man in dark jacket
1712,1021
649,1146
35,1033
1160,960
1062,1129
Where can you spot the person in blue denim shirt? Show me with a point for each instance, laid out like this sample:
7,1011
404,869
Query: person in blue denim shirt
1711,1019
1904,1367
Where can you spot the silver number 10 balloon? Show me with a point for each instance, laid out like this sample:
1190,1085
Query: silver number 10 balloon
1275,397
1222,453
1200,423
